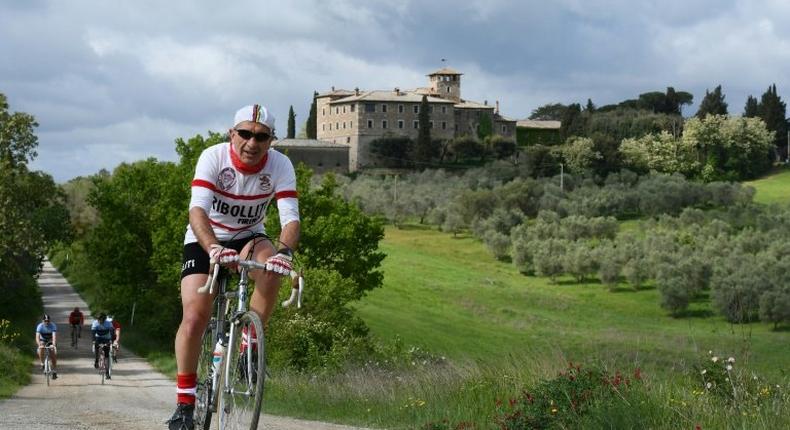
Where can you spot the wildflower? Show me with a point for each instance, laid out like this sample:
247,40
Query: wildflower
710,352
714,359
731,360
729,367
708,385
553,410
704,371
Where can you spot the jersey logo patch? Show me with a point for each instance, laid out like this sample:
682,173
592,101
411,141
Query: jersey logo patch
226,179
266,182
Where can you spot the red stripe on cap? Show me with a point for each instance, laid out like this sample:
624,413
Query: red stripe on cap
256,113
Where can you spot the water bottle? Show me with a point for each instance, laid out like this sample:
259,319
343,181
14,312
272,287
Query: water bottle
219,351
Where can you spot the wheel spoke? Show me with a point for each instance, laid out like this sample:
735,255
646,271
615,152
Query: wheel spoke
243,391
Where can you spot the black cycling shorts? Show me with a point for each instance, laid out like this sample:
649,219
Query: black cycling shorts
196,260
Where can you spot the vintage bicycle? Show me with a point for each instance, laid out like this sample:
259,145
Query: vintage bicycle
232,365
105,363
47,361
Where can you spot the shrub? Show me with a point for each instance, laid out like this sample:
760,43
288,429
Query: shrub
560,402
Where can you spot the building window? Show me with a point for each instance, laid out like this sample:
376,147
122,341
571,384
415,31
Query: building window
444,109
344,125
344,109
448,89
430,109
370,123
337,126
416,124
400,108
348,139
337,110
352,108
444,125
431,124
456,127
504,128
330,126
416,108
370,107
400,123
384,124
383,108
323,111
351,124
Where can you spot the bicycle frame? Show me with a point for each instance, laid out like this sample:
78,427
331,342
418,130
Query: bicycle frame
226,318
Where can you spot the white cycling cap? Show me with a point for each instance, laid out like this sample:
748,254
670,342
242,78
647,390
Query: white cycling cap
255,113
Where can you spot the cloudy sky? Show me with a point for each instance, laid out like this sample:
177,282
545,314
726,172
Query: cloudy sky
114,81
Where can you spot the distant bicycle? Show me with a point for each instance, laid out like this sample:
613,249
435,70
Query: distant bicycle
47,361
231,366
74,336
105,363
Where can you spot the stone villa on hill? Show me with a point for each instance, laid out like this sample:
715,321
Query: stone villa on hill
356,118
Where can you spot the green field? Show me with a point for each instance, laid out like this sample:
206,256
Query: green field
774,188
449,296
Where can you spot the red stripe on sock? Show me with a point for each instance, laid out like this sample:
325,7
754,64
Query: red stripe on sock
186,381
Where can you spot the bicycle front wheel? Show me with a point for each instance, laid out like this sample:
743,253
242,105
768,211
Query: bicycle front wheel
47,369
204,394
102,366
242,388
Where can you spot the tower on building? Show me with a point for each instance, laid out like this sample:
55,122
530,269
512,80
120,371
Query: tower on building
446,83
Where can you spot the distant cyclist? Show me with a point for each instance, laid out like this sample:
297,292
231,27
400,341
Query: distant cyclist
47,335
77,319
103,333
117,342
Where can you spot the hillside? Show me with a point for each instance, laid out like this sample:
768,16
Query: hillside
774,188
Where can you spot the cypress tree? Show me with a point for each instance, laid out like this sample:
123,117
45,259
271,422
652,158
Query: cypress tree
423,148
291,123
712,104
312,123
773,112
752,108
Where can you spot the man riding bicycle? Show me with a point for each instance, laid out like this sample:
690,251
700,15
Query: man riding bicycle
46,336
103,334
233,185
116,345
77,319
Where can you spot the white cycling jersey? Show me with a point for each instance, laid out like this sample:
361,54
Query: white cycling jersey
235,196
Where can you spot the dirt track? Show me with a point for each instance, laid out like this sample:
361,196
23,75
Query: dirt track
137,396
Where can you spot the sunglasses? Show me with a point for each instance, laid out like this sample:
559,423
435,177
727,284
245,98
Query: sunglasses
246,135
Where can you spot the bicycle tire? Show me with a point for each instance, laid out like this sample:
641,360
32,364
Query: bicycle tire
204,394
102,365
108,360
47,368
244,369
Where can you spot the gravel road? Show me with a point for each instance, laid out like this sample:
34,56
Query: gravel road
137,396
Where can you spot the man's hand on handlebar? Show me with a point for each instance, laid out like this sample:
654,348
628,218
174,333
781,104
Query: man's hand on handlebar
224,256
279,263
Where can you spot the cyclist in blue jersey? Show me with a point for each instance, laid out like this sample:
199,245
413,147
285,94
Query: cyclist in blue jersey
103,333
47,335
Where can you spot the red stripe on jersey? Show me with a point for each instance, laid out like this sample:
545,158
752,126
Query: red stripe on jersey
210,186
285,194
244,168
204,184
224,227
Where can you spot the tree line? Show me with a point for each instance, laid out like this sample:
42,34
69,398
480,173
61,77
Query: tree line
33,216
570,225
